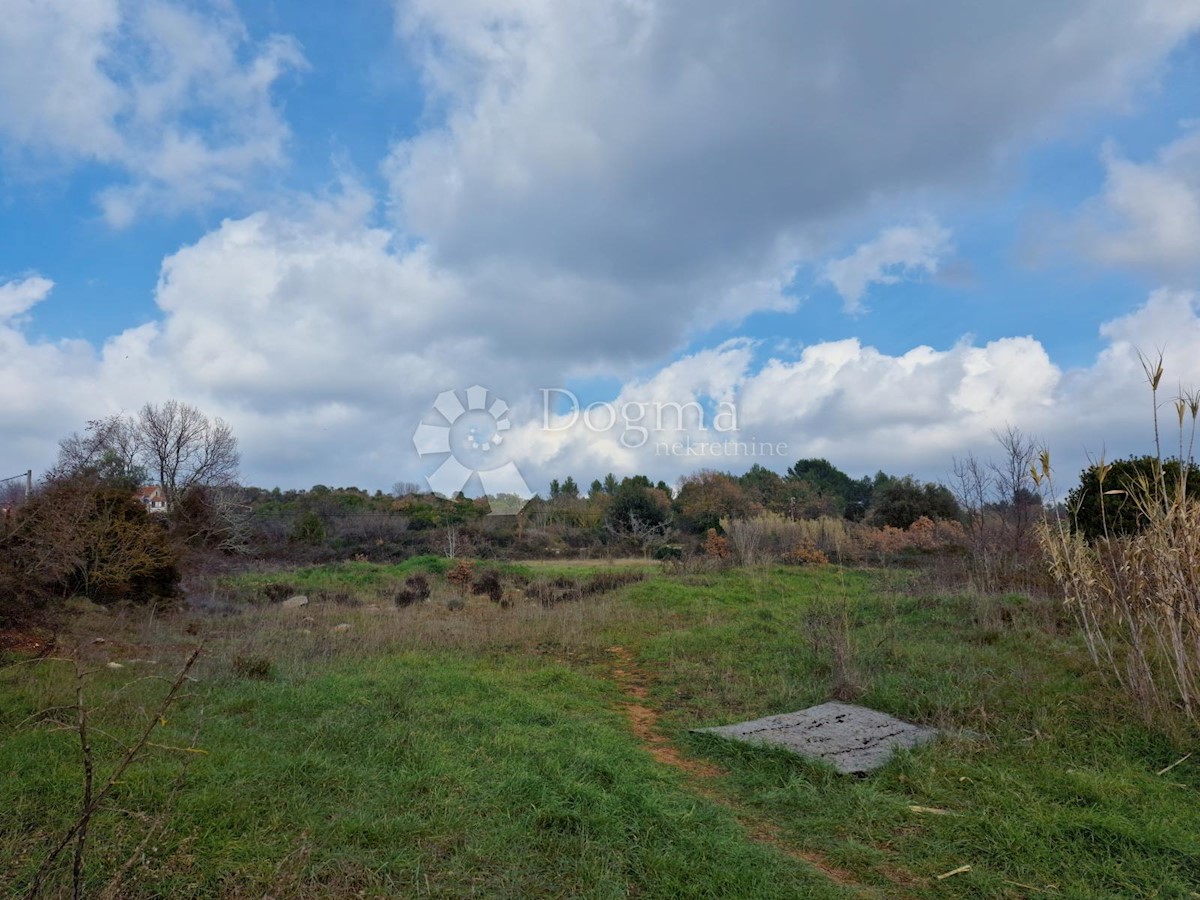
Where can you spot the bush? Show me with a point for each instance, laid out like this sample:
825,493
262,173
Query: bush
806,556
488,585
77,536
415,590
1105,500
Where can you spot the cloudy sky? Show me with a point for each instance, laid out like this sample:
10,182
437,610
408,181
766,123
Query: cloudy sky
875,231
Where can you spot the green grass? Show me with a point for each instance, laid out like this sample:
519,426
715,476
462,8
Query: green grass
503,766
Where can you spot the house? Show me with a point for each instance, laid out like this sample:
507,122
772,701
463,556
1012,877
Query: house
153,497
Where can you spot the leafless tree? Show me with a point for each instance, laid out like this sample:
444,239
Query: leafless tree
108,448
186,449
407,489
1018,501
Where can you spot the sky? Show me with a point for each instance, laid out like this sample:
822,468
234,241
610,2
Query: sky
654,235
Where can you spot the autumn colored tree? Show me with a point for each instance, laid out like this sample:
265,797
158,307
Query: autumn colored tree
707,497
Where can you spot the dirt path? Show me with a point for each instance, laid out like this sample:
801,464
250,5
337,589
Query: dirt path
643,720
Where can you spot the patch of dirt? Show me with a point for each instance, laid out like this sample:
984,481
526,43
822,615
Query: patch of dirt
643,720
13,641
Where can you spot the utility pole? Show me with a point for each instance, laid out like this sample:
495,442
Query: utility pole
27,476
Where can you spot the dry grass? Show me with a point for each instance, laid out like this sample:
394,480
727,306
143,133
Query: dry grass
1137,597
306,639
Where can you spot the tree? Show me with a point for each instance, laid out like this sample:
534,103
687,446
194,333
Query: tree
706,497
1105,500
570,489
765,488
183,448
849,497
901,501
636,505
106,451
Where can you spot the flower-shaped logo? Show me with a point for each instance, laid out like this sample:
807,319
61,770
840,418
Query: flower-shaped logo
473,436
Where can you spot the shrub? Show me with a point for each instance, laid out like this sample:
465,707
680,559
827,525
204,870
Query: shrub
1105,501
415,590
715,545
460,576
308,529
489,585
806,556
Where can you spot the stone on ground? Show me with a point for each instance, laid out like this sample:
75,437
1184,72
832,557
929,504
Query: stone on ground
854,739
295,602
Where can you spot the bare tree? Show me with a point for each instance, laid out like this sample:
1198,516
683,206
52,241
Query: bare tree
185,448
407,489
1018,500
108,449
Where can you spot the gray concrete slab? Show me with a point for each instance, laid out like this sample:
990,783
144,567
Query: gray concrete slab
854,739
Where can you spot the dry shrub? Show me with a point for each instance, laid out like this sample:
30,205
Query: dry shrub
716,547
805,556
460,576
552,592
1137,597
415,590
772,536
489,585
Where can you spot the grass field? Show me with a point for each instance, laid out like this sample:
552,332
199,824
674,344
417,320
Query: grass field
545,752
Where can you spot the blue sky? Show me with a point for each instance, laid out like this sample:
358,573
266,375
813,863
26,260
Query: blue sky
310,219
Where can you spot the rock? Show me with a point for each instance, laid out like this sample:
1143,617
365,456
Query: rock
295,602
853,739
115,665
342,626
99,641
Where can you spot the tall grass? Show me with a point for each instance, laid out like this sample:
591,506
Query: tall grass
1137,597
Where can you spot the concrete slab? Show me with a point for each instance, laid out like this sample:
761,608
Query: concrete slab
854,739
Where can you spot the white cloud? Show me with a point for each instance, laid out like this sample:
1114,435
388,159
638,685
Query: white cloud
176,101
325,347
899,252
603,182
1148,215
655,137
17,297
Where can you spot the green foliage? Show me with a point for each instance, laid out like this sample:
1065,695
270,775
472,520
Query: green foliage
899,502
309,528
843,495
636,505
1094,507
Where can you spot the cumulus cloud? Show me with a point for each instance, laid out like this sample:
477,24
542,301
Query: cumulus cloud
865,409
17,297
653,138
600,184
175,100
1148,214
899,252
326,345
